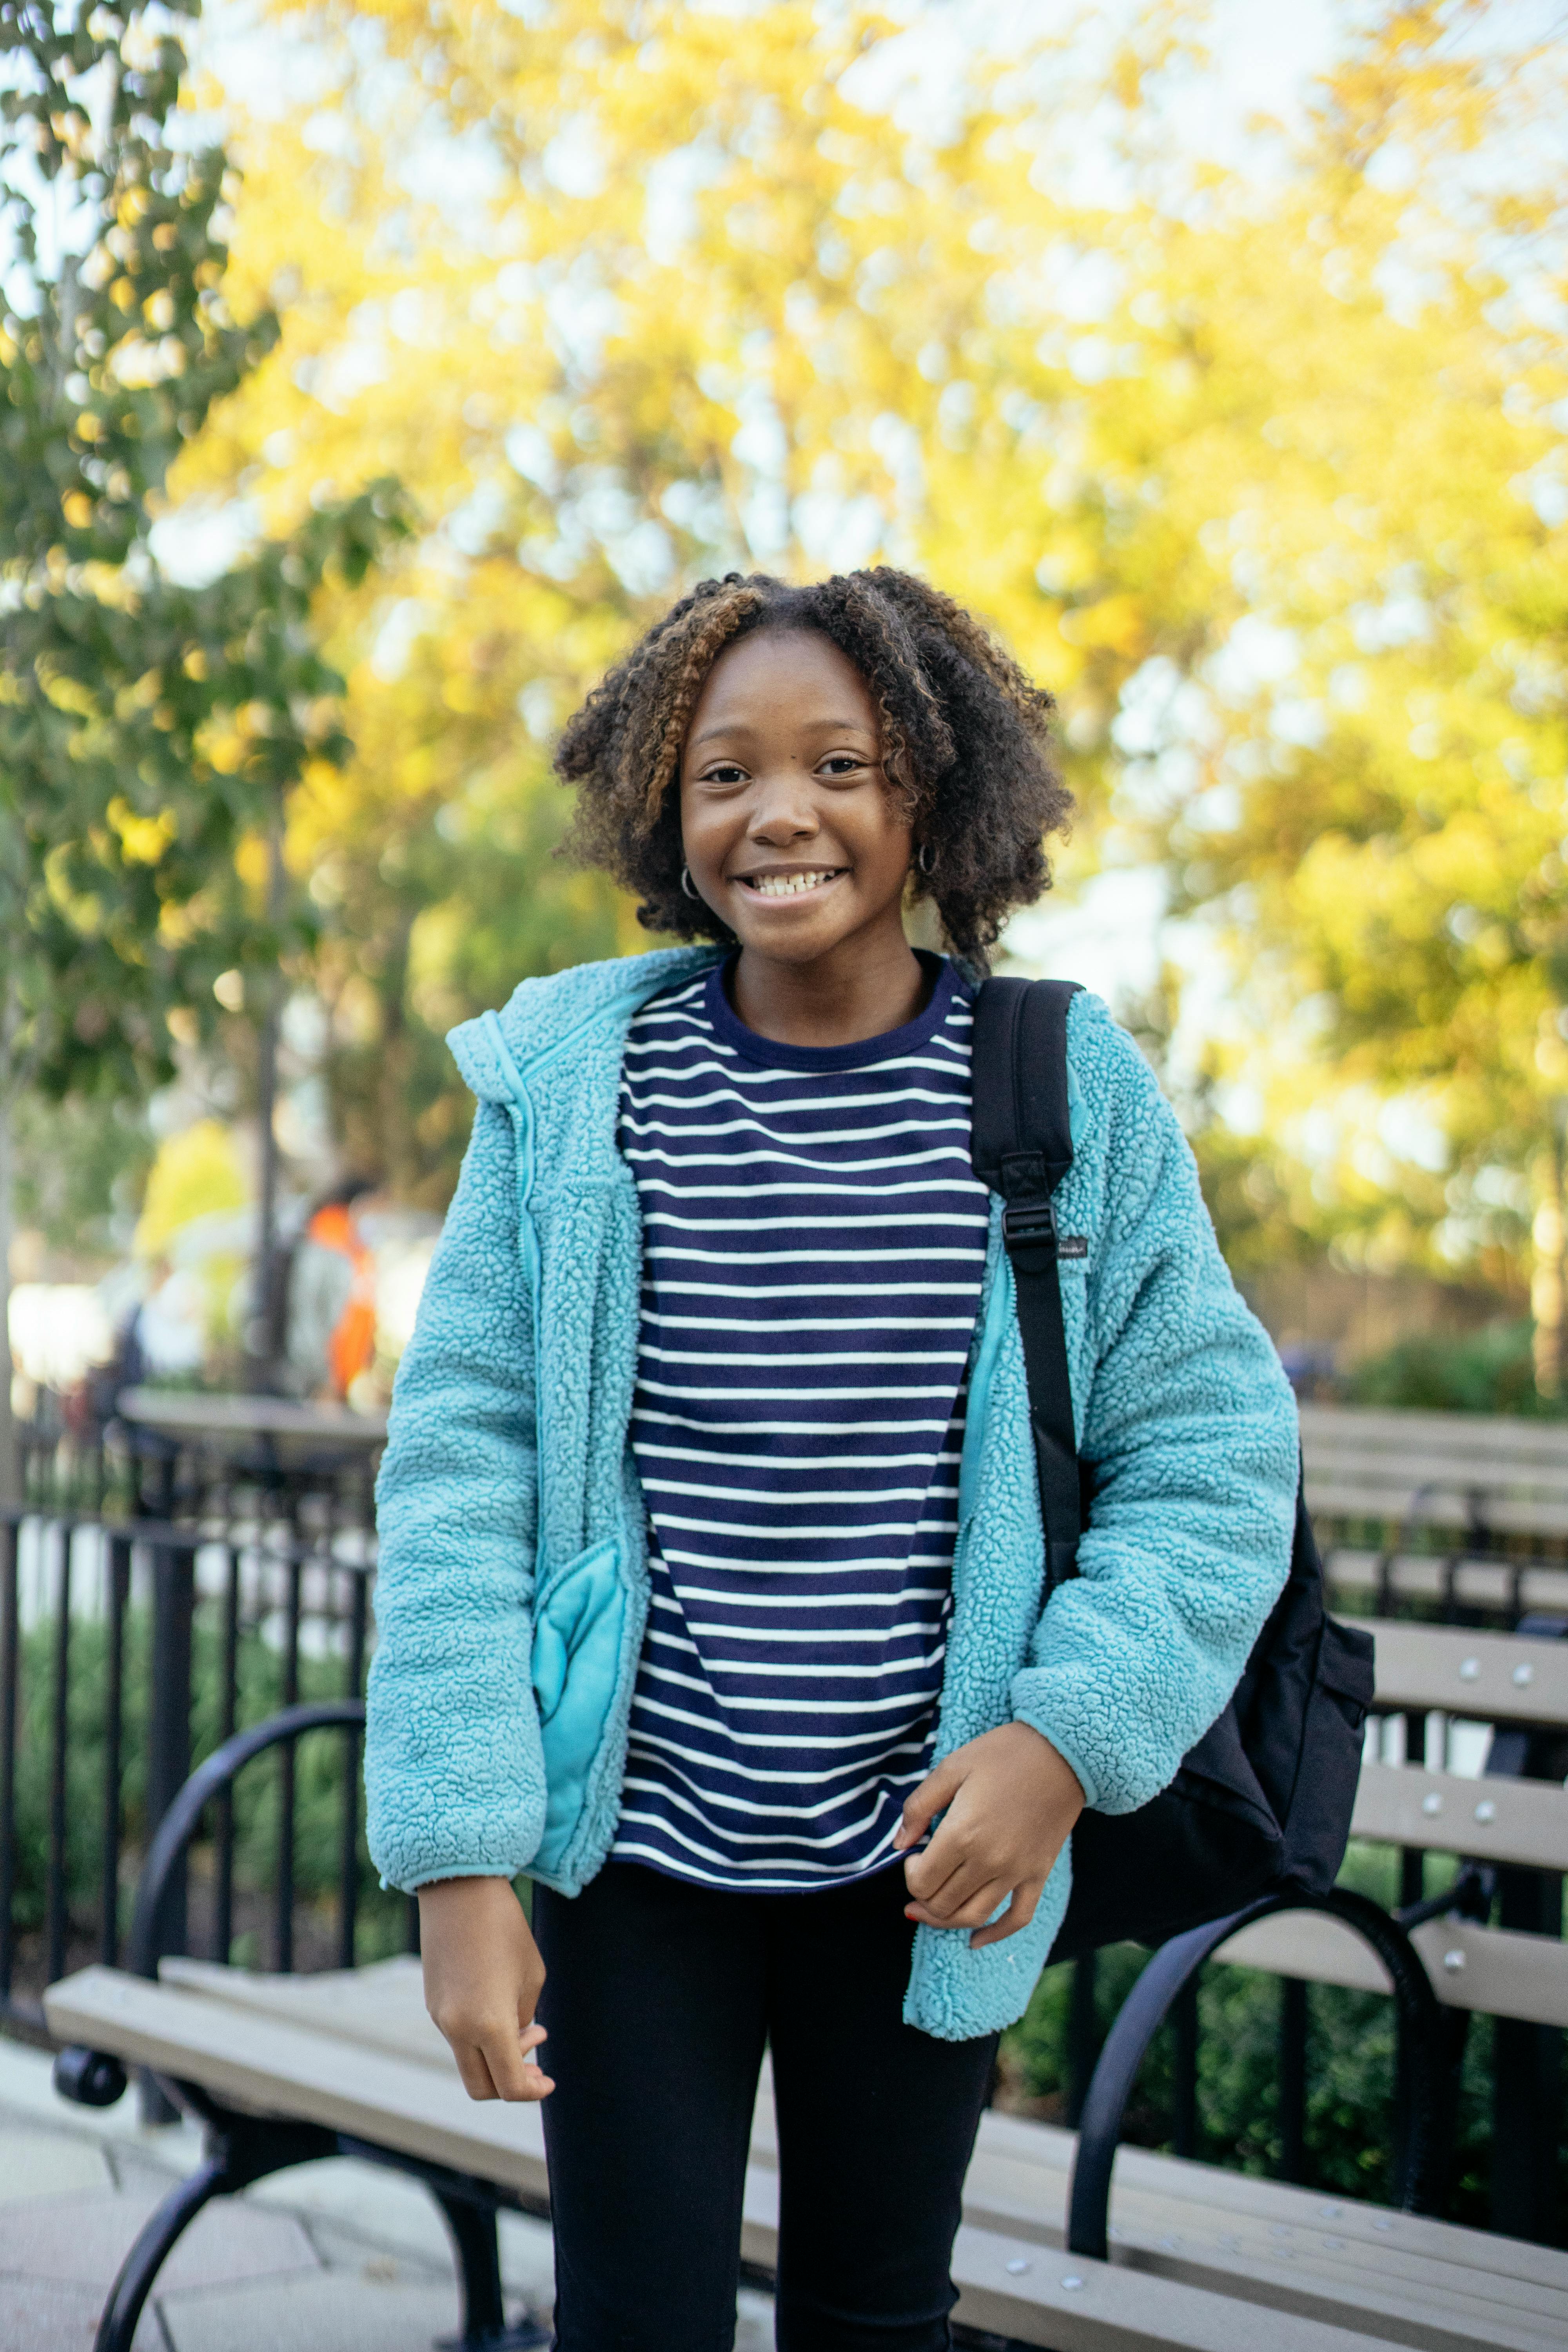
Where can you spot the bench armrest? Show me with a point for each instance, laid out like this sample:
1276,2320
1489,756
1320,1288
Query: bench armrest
1144,2010
89,2077
179,1825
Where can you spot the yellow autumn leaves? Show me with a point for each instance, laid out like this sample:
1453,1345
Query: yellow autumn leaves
1260,468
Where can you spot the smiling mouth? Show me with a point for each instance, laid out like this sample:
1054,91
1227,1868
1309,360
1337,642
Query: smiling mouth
793,885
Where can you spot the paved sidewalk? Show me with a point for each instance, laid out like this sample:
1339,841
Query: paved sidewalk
331,2257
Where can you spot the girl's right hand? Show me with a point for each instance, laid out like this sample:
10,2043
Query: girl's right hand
483,1977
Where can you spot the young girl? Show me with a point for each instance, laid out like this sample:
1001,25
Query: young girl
710,1550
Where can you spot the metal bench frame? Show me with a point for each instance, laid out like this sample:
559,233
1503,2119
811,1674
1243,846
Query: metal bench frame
243,2148
1420,2159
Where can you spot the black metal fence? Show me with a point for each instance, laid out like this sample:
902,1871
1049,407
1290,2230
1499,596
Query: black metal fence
156,1596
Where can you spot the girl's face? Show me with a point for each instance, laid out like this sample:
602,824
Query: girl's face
790,832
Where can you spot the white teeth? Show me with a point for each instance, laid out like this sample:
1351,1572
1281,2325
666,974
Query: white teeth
789,886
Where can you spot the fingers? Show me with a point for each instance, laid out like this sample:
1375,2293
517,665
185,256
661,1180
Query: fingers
501,2065
474,2073
975,1909
945,1875
513,2066
935,1793
1018,1913
972,1910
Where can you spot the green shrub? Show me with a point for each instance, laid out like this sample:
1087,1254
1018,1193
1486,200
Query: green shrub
1490,1370
320,1761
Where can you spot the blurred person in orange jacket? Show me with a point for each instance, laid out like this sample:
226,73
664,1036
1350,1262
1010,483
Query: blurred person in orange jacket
332,1296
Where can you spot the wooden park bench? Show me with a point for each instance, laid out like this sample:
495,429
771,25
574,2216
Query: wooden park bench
1184,2255
1464,1509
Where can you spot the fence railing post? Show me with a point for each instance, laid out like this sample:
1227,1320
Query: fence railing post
117,1597
1083,2035
1527,2060
10,1671
57,1914
169,1749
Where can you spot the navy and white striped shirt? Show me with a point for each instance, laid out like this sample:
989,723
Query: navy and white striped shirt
814,1242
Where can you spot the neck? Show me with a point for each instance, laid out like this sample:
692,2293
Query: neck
858,990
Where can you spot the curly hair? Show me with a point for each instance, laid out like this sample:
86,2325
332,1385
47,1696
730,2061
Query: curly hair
965,742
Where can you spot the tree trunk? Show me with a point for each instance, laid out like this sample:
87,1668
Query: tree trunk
9,1466
398,1166
1546,1287
267,1343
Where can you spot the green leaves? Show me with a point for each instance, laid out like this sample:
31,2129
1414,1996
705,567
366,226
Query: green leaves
147,728
115,340
140,740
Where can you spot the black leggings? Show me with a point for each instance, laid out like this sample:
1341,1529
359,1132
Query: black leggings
661,1999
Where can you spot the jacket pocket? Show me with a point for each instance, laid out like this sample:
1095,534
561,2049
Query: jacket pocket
579,1619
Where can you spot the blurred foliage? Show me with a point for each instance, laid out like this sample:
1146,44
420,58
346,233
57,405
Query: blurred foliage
81,1165
1261,469
1260,465
145,727
319,1784
436,883
1490,1371
196,1173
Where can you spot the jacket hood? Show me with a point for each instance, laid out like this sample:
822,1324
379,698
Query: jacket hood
543,1013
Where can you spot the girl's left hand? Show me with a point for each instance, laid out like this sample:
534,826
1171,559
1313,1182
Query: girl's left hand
1008,1802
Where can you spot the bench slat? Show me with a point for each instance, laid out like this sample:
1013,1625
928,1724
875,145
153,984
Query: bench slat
1494,1970
379,2007
1406,1481
1502,1470
1342,1497
1423,1576
1497,1677
1414,1485
1328,1430
1524,1821
1168,2184
1154,2294
272,2069
1115,2307
1310,2265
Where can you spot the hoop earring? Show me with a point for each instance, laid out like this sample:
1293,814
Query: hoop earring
686,882
925,858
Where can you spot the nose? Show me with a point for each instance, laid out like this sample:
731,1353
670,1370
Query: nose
783,809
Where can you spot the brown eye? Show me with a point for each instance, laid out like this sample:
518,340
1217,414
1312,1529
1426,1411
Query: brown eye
842,763
726,773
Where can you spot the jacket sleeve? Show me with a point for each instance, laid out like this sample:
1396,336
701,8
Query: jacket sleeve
454,1775
1191,1427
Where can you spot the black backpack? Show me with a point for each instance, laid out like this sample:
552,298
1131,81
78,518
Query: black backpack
1264,1800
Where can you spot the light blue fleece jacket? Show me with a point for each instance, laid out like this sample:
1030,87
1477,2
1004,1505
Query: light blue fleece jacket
512,1588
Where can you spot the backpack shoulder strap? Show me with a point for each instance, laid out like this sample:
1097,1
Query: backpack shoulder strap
1021,1146
1021,1138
